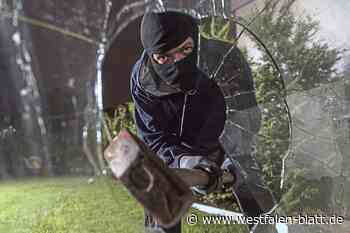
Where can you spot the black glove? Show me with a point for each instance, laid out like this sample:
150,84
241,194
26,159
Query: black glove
209,164
214,173
236,170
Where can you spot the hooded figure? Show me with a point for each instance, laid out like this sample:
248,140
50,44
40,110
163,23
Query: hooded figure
179,112
164,31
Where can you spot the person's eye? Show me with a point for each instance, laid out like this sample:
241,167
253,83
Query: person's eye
187,50
161,59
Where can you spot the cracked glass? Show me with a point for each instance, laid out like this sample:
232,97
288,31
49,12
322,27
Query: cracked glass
282,66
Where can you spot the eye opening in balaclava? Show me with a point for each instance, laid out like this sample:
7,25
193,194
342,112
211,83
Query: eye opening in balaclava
163,31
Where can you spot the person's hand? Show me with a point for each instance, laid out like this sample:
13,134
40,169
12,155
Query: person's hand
236,170
214,173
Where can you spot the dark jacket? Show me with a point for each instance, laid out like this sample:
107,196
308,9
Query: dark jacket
158,116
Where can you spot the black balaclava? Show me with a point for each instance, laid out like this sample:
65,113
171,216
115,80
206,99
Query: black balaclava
161,32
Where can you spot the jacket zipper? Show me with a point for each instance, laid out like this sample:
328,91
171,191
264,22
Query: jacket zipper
183,114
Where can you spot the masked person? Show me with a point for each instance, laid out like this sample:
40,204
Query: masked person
179,111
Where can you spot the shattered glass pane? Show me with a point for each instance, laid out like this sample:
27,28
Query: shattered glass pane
57,56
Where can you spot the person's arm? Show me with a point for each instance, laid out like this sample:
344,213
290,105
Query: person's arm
208,141
151,125
208,136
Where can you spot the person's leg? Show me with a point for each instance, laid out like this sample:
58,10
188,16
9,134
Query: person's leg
152,227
